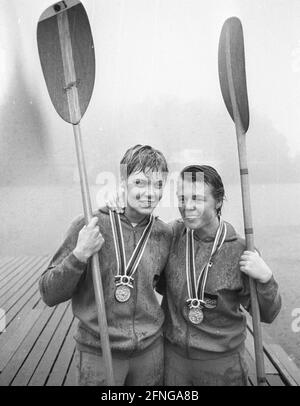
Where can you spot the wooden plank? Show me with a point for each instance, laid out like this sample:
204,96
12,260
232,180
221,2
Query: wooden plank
71,378
33,303
6,261
16,272
42,372
13,310
40,346
15,304
19,280
60,369
274,380
23,301
28,277
11,268
288,369
14,338
11,369
11,279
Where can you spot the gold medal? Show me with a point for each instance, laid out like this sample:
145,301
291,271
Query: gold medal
195,315
122,293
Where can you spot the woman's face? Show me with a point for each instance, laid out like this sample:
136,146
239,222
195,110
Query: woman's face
197,206
144,191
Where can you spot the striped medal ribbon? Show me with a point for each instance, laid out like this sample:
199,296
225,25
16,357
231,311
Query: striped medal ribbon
124,278
196,288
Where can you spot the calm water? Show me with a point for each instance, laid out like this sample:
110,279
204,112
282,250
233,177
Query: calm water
34,220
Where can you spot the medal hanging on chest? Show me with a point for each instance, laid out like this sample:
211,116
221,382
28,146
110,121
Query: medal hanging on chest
124,279
196,288
122,292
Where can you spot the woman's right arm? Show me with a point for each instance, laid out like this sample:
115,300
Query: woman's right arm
59,281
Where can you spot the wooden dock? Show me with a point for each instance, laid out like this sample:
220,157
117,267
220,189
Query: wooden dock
37,348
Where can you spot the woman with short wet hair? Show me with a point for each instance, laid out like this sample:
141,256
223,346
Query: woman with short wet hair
133,249
205,282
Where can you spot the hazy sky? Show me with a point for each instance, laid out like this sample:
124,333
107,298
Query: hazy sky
148,50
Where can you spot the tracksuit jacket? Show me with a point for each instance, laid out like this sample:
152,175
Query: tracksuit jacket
133,326
223,329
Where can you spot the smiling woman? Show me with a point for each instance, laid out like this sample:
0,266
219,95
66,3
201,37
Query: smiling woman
144,171
156,83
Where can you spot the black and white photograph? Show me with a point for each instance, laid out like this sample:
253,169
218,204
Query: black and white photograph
149,195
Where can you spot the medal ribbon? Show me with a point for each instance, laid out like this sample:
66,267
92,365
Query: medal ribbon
196,288
133,263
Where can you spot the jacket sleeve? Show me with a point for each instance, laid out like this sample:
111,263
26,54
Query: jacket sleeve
268,296
59,281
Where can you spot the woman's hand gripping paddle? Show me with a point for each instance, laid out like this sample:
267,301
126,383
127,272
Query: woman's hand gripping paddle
232,77
67,57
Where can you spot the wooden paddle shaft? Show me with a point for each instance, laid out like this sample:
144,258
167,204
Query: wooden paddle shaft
75,116
249,235
235,94
95,261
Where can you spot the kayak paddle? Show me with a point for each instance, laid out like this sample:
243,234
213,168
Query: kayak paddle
232,75
67,56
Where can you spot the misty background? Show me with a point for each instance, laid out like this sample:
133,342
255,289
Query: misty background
157,83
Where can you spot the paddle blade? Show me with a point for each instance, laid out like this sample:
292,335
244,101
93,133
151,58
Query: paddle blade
232,72
67,56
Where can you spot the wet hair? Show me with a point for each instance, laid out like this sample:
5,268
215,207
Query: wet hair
211,178
143,158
